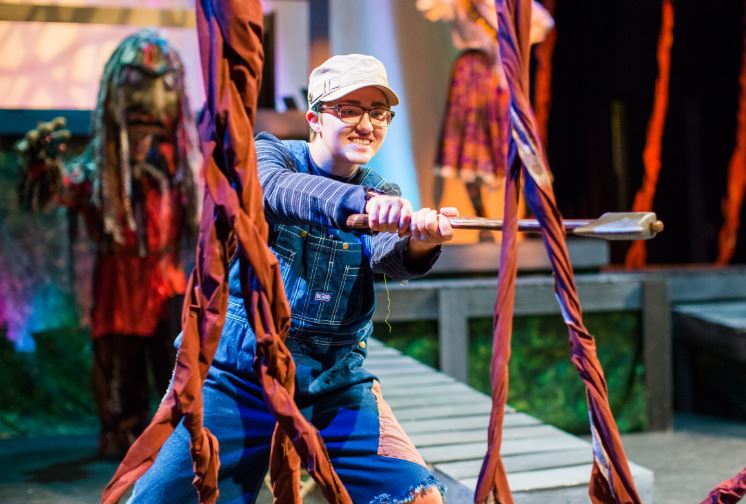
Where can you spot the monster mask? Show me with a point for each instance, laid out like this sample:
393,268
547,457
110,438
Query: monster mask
141,95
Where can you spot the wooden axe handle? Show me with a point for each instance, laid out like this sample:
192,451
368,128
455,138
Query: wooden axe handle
591,227
360,221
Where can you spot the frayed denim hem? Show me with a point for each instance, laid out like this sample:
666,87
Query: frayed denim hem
421,489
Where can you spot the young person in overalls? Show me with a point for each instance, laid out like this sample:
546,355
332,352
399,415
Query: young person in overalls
310,188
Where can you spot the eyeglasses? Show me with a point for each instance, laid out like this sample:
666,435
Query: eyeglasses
352,114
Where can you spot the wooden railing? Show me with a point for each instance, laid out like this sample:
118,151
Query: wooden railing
452,302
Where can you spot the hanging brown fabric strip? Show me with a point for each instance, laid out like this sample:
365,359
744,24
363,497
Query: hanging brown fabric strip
611,481
729,491
230,38
493,482
651,155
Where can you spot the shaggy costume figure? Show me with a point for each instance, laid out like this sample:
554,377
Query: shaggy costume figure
135,187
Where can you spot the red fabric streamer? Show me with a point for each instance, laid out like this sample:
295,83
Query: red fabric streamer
230,38
651,155
729,491
543,79
733,200
611,480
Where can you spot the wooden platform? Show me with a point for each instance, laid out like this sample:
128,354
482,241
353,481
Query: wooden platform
716,329
447,421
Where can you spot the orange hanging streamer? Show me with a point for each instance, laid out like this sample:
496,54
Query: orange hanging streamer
733,200
651,156
543,79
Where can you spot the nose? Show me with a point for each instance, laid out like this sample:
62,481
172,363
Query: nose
365,123
157,99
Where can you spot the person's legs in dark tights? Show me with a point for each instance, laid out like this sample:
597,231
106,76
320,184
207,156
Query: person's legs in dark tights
161,351
475,194
120,385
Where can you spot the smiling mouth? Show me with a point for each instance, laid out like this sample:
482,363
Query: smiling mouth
362,141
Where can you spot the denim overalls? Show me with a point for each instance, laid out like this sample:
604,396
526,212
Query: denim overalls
329,284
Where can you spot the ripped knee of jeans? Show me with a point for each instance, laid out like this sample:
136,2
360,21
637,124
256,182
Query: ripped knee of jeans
409,496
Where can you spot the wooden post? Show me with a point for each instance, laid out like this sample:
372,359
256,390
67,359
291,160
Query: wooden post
658,353
453,333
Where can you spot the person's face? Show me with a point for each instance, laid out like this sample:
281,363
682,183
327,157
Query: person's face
347,143
150,102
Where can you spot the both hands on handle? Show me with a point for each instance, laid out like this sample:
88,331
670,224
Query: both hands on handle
427,228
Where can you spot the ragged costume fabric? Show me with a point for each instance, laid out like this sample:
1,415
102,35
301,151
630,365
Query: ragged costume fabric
138,213
611,480
230,39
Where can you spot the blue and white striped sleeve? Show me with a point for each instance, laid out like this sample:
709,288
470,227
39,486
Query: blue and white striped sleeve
301,198
390,258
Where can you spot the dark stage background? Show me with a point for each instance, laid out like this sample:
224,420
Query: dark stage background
603,85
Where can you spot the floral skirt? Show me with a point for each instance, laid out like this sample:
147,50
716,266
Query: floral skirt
470,146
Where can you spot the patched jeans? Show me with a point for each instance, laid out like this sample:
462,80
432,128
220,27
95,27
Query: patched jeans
375,460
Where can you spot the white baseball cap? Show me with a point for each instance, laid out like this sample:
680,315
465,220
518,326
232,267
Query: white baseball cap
343,74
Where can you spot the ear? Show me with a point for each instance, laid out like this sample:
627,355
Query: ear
314,121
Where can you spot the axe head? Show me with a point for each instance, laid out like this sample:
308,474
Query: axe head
622,226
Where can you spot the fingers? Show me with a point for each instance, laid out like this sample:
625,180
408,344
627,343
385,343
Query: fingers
449,211
389,214
422,224
444,227
405,218
431,227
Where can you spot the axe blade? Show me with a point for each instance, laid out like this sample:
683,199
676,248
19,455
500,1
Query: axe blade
622,226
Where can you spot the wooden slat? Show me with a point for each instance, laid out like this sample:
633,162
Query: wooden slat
391,390
420,379
577,475
450,438
392,361
419,401
564,477
402,372
401,399
418,300
454,411
465,423
695,285
476,450
485,257
731,314
467,469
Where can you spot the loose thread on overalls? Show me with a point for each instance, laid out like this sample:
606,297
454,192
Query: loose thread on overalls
388,302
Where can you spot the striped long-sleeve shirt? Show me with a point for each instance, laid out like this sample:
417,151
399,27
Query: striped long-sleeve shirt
297,193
